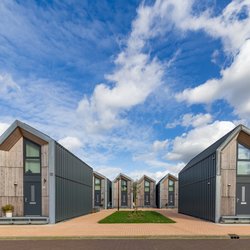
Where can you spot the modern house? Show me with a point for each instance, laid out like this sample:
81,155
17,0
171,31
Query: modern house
167,192
122,192
40,178
145,196
102,191
215,185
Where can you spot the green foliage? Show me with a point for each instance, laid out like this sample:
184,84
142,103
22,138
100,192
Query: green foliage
8,208
136,217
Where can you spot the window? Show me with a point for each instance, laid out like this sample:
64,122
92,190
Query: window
97,184
124,185
243,164
146,186
32,158
170,185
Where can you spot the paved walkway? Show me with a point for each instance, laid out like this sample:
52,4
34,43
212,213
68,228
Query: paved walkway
87,226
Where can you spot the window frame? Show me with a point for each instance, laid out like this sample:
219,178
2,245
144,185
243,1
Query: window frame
147,186
25,142
241,160
99,185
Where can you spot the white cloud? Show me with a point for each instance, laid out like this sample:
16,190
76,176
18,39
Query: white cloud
159,145
3,127
192,120
185,147
7,85
233,86
71,143
109,172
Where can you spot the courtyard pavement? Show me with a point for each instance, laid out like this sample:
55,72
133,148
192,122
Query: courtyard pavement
87,226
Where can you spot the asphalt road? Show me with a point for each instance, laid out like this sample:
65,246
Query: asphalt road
125,244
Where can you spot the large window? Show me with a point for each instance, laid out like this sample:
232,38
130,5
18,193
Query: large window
146,186
170,185
243,164
124,185
97,184
32,158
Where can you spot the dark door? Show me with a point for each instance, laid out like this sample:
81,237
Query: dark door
97,197
171,199
147,199
243,198
124,200
32,198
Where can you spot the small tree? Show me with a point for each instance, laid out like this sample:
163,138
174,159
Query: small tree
135,195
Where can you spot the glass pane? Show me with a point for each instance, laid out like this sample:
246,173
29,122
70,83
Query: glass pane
146,183
171,189
243,152
32,166
243,168
32,193
97,181
124,185
147,189
97,187
170,183
32,150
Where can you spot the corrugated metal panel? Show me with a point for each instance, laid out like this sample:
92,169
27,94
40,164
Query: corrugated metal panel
197,189
109,193
73,185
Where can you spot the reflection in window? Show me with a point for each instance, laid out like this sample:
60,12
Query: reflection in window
97,184
170,185
124,185
243,164
146,186
32,158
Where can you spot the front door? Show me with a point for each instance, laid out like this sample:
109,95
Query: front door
97,198
171,199
32,198
147,199
243,199
124,200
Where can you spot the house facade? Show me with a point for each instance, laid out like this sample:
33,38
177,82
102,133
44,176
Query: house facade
41,178
122,191
167,192
216,183
145,196
102,191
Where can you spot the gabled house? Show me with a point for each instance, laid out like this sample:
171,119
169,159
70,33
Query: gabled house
215,184
102,191
41,178
167,192
145,196
123,191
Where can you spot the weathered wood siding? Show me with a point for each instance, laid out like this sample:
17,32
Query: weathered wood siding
164,192
229,174
140,193
115,193
11,178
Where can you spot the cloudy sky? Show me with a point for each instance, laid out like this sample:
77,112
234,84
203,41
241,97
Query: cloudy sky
138,87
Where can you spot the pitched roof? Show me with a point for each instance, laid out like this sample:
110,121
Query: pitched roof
167,176
146,177
122,175
216,145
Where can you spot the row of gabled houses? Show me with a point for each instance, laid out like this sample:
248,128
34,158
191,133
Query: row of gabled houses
123,192
45,182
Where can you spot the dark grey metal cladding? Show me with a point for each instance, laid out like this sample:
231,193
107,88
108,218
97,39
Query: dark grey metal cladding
197,189
73,180
109,193
157,196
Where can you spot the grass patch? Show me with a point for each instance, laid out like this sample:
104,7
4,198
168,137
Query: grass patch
136,217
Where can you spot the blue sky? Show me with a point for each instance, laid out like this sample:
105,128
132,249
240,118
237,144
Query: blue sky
138,87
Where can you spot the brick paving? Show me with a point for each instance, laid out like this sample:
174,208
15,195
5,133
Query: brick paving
87,226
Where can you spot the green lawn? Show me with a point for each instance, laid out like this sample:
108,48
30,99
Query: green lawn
136,217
